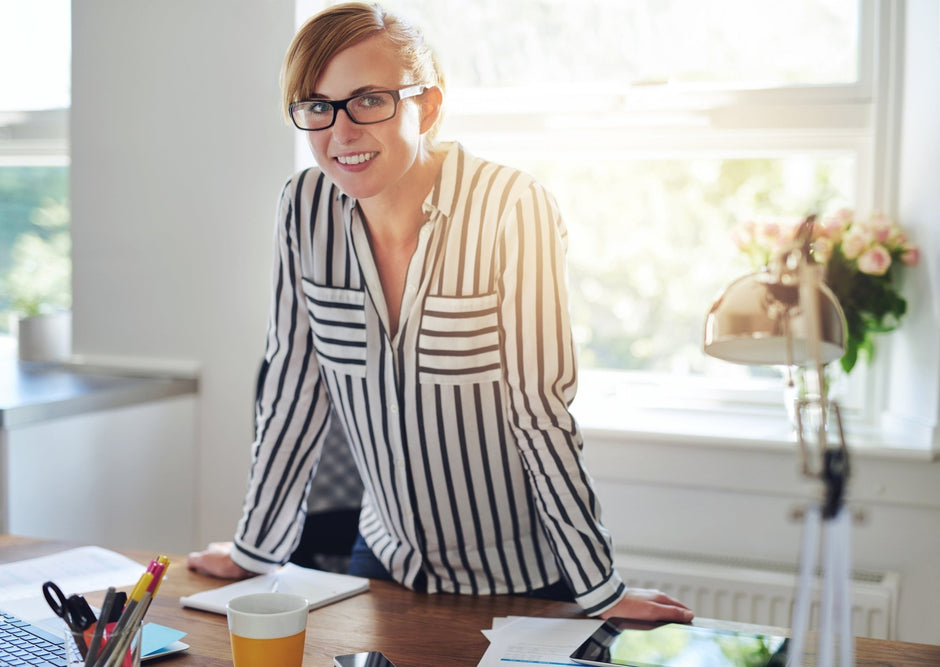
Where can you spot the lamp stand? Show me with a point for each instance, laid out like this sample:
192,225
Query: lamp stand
834,526
830,518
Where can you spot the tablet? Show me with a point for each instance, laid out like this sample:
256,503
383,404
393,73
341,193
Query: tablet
622,642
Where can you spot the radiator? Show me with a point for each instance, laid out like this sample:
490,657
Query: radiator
756,592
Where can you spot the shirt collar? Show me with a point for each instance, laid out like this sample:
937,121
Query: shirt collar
441,199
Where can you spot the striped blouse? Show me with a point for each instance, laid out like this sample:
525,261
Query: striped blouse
459,424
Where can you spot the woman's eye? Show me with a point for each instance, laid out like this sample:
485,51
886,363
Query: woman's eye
376,101
318,108
313,108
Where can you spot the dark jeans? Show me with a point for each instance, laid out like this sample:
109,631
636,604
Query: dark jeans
363,563
326,540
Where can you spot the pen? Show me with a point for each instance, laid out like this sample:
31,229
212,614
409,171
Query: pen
121,639
136,595
106,607
158,569
165,562
139,592
133,613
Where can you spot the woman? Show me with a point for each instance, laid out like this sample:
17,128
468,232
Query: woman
420,291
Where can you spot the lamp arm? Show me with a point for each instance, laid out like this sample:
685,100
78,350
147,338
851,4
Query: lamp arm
834,461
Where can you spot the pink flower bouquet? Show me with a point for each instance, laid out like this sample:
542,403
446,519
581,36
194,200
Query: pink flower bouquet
863,259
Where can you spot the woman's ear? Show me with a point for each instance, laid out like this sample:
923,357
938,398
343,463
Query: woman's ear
431,102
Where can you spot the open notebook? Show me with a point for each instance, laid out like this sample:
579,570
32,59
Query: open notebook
319,587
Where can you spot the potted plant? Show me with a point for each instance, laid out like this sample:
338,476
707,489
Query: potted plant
38,286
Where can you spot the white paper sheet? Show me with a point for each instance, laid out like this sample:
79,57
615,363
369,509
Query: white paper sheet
81,570
525,640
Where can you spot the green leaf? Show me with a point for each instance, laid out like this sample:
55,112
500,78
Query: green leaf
850,356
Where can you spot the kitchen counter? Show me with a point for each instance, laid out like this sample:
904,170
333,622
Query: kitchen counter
33,392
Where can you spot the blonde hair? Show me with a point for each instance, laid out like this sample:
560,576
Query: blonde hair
344,25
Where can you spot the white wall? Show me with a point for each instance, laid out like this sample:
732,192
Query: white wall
134,486
736,501
919,207
179,154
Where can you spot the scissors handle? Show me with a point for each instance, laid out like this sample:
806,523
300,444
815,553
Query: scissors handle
74,610
56,599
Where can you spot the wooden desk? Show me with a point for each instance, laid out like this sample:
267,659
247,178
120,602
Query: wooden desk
413,630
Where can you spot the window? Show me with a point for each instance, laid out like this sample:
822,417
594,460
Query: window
34,172
659,125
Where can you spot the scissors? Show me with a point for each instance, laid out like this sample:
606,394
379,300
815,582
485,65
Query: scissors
74,610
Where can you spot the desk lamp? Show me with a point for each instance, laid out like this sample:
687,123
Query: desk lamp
786,315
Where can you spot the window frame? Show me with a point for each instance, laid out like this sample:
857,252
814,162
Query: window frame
34,138
703,120
670,120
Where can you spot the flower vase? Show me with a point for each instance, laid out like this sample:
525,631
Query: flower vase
803,391
46,337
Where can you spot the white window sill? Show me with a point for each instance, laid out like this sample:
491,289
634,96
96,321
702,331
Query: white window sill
717,450
726,431
666,417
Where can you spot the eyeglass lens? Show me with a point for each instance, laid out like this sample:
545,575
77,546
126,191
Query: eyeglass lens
366,108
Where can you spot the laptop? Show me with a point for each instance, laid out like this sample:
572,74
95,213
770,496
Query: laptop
22,642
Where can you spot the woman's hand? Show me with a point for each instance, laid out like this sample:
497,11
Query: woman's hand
644,604
216,561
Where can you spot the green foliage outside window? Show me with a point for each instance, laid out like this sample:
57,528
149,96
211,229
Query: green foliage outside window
35,245
650,244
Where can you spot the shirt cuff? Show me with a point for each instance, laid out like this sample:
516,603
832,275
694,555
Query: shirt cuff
602,597
253,561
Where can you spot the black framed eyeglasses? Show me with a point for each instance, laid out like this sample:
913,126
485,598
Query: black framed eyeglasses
374,106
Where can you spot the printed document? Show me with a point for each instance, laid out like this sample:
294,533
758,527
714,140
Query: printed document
526,641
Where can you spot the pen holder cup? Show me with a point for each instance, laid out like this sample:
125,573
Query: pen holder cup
126,643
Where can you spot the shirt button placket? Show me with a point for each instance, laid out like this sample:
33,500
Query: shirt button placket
398,461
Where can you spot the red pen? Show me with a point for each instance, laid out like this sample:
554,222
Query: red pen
157,568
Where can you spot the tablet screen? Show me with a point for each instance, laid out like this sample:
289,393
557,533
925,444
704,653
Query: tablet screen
622,642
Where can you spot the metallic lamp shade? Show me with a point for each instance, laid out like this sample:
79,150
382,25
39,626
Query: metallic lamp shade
748,324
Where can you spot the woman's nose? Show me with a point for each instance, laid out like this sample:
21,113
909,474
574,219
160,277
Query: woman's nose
344,128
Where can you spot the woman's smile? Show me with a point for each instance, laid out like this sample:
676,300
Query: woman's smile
355,159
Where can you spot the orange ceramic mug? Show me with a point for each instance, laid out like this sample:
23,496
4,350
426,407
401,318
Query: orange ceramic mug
267,629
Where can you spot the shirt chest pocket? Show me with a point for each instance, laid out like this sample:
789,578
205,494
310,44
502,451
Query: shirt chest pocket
338,321
458,342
